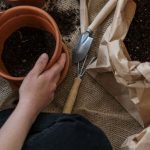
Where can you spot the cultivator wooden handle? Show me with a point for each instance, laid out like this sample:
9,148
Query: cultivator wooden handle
72,96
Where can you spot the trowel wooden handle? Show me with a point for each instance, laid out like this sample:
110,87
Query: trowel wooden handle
103,14
72,96
84,20
89,3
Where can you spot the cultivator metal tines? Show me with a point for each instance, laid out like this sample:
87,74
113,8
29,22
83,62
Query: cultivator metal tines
81,70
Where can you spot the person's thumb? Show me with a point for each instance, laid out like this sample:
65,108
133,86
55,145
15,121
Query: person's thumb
40,64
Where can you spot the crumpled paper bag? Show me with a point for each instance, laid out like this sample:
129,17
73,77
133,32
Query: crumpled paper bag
128,81
139,141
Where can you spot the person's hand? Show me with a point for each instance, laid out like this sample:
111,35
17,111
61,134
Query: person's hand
37,89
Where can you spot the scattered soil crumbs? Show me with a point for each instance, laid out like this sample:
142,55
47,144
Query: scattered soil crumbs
67,20
4,5
23,47
138,37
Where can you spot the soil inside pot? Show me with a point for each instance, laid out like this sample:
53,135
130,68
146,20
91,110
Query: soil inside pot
23,48
138,37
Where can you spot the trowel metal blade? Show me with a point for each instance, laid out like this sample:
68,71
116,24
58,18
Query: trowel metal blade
82,48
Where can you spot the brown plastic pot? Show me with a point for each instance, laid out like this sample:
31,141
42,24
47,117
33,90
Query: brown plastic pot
21,16
38,3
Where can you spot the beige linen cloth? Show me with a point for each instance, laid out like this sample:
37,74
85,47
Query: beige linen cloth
93,101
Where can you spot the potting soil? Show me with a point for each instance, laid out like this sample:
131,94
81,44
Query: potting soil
138,37
23,47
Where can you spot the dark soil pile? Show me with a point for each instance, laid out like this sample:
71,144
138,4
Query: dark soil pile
67,20
138,37
23,47
4,5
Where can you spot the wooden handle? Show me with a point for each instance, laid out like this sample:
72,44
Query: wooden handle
103,14
89,3
72,96
84,20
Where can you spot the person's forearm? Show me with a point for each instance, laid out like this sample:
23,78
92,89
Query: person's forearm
14,131
36,92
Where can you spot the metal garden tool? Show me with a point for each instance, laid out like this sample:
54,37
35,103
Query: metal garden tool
74,90
85,41
84,22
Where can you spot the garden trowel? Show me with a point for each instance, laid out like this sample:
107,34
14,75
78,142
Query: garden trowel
85,41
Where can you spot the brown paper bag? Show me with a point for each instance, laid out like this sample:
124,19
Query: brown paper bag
139,141
128,81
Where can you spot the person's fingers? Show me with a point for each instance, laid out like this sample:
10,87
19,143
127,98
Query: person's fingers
40,64
57,67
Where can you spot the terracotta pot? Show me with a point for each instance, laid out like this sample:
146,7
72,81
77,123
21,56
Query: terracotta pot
21,16
38,3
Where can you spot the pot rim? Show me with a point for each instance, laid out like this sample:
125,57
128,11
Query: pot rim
65,50
41,13
58,48
28,16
